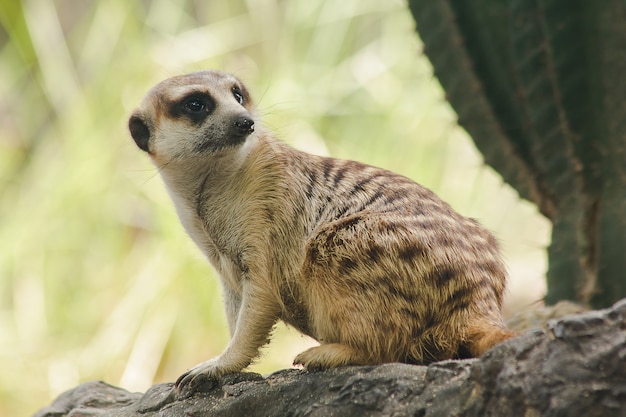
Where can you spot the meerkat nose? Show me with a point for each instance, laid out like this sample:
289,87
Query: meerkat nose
244,125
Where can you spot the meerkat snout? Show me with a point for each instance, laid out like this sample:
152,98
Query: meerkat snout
244,125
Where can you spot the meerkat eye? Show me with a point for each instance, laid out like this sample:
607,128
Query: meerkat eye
194,105
238,95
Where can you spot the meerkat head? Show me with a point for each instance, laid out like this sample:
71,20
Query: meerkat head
201,113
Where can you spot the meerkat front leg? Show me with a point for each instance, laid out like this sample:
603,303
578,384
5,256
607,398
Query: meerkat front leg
256,317
232,305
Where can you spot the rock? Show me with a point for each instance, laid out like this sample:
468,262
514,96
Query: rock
575,367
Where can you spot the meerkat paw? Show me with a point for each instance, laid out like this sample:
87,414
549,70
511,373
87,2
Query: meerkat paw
205,373
331,355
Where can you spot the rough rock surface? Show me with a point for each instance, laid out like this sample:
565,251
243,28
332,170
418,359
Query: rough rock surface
576,367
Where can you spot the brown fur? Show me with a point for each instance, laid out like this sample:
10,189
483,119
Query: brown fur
372,265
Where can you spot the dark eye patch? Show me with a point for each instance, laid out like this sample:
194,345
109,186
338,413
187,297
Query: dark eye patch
195,107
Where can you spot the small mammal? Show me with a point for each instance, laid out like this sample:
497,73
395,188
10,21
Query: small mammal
372,265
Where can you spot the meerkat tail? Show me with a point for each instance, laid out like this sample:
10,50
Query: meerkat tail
484,336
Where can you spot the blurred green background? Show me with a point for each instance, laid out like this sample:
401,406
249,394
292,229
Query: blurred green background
97,278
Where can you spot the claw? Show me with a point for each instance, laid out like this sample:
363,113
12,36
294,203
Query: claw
189,383
182,382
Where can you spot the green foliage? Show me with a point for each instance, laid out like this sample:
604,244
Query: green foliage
97,279
540,87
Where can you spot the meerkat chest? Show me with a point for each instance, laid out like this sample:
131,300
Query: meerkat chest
221,254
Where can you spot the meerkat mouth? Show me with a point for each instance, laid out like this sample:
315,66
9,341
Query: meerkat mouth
237,133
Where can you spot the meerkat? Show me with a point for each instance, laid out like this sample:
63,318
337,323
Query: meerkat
372,265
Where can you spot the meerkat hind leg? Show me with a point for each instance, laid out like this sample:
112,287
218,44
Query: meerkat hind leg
331,355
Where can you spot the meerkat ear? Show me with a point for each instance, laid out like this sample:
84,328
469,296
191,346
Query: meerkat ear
139,131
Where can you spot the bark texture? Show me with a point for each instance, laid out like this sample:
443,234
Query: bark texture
575,367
